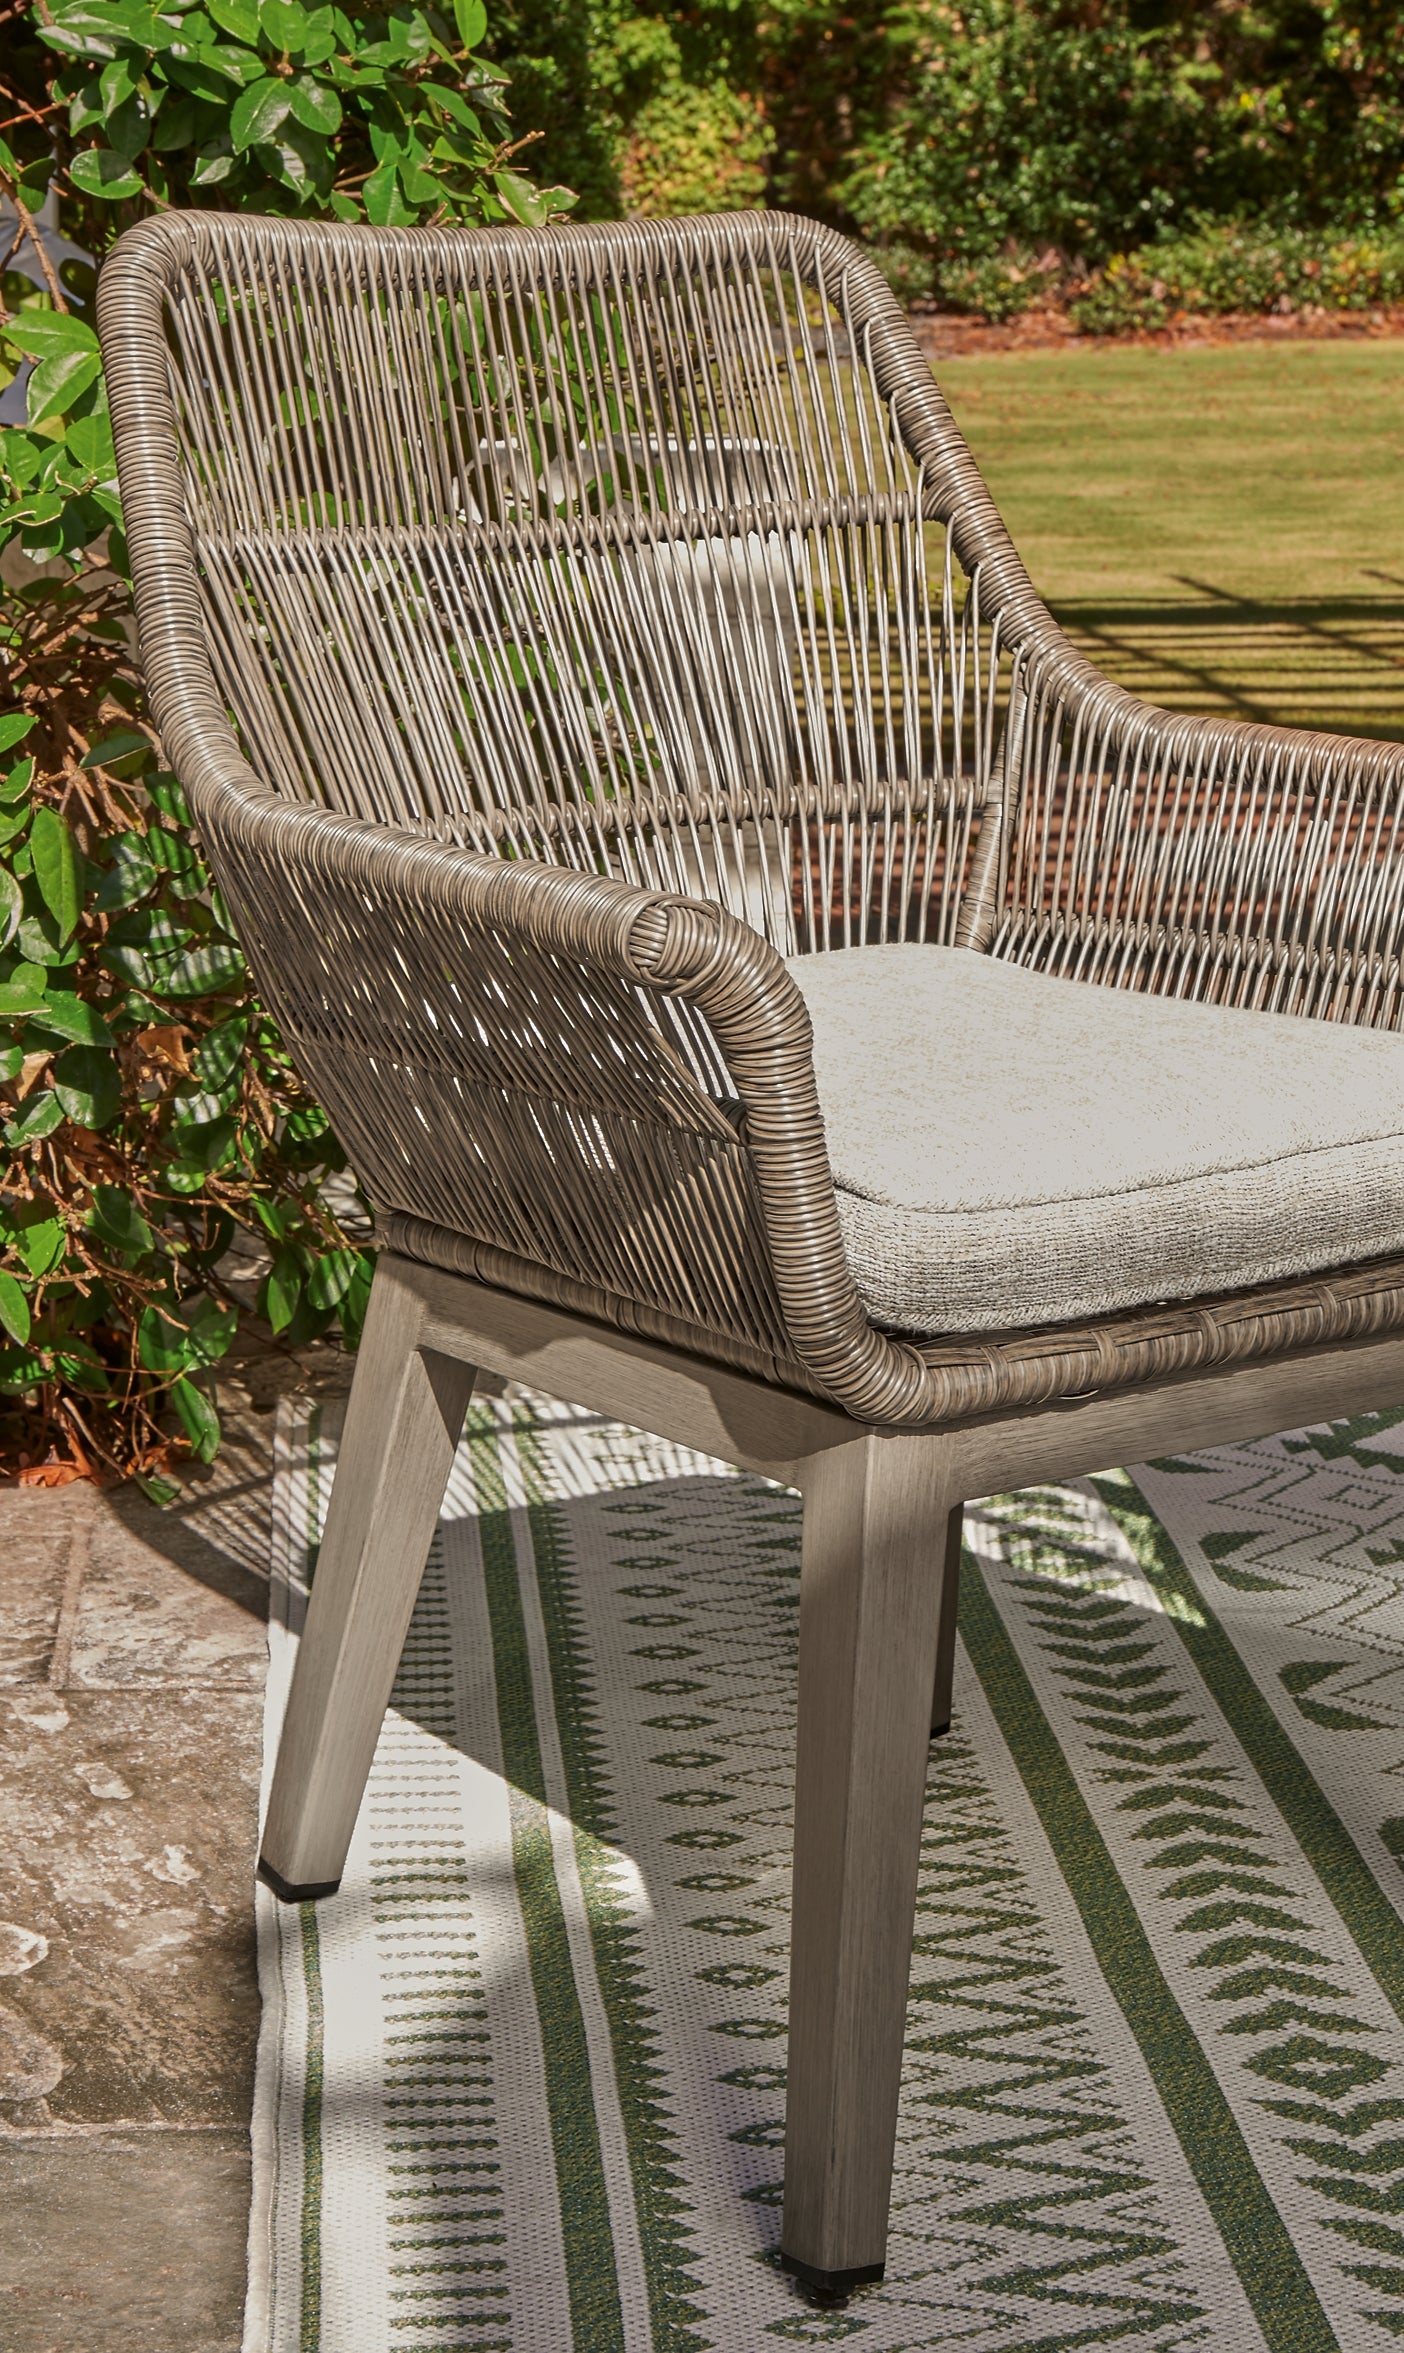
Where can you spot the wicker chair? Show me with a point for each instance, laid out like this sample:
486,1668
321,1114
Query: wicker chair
568,641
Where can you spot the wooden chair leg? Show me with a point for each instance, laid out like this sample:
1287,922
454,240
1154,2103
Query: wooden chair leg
403,1422
946,1636
877,1516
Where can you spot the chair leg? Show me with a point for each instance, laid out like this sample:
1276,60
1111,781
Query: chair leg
946,1638
877,1515
403,1423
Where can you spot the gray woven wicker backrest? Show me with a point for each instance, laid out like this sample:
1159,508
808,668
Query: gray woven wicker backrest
651,548
600,546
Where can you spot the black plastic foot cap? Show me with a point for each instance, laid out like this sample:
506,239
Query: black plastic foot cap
288,1894
829,2287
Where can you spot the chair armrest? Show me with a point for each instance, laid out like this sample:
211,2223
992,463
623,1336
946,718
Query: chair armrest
613,1083
1212,858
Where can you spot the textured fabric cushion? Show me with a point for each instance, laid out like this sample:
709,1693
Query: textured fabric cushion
1010,1149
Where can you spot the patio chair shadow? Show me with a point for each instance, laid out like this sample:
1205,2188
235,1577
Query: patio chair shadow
1333,664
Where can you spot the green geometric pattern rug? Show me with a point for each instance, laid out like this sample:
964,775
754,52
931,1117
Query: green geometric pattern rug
521,2082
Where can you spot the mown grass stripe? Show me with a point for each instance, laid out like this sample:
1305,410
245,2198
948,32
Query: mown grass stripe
1341,1869
1257,2241
592,2283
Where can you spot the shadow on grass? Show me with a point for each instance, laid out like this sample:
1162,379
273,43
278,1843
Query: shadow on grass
1334,664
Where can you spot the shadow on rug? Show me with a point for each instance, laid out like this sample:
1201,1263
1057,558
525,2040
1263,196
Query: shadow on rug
521,2083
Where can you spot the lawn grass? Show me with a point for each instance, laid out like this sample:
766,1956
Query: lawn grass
1221,528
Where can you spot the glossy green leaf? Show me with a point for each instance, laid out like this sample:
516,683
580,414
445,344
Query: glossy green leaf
216,162
116,84
258,111
45,335
203,970
48,335
164,789
210,1331
24,991
385,205
38,1116
331,1276
282,1289
210,77
178,1178
57,869
14,726
197,1418
116,748
129,127
238,18
209,1145
130,876
56,383
89,1086
285,22
161,1492
11,906
14,1309
117,1221
102,171
17,782
221,1051
40,1242
90,441
68,1016
470,16
315,105
163,1345
38,942
356,1299
81,32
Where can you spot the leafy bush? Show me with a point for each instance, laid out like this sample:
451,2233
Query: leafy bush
648,108
147,1105
695,150
999,286
1229,266
948,131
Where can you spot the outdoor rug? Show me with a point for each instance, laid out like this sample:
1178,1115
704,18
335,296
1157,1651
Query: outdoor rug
521,2082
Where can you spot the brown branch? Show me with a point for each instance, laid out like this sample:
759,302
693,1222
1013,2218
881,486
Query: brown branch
31,229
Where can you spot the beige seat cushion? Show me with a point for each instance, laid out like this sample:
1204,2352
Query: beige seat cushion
1010,1149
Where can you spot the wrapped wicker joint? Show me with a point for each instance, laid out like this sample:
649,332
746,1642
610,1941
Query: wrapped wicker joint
769,984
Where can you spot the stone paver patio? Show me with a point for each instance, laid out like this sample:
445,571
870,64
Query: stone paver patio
132,1654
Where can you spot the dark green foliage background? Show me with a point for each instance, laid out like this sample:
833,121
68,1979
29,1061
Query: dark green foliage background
946,133
147,1109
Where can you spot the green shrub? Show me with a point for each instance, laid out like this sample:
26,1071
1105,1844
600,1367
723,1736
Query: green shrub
947,131
1228,266
148,1108
999,286
695,150
642,108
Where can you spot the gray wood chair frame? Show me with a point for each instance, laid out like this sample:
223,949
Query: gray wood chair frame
553,1023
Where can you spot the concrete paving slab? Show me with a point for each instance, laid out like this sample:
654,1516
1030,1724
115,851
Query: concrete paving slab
154,1606
130,1825
123,2242
132,1655
36,1540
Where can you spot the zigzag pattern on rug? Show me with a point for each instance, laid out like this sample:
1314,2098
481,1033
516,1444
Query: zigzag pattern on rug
521,2082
